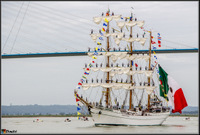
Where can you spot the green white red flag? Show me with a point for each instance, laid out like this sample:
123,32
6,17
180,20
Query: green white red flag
171,91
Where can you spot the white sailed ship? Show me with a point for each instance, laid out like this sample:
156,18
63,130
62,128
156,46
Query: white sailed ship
121,87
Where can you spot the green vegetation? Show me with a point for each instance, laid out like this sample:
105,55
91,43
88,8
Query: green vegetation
185,115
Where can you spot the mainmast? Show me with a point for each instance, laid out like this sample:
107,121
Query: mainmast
107,65
131,77
149,70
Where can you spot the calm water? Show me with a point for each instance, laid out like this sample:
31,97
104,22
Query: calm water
57,125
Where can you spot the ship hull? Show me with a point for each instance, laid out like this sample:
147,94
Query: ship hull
119,119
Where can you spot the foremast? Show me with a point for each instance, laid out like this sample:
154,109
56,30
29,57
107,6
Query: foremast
131,76
149,68
107,65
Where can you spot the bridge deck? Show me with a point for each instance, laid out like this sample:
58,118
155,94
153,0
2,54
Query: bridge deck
4,56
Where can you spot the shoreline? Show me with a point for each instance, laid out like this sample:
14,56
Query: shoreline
29,116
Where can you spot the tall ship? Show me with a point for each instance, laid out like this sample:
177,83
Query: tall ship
123,84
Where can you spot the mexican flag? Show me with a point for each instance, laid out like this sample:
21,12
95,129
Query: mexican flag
171,91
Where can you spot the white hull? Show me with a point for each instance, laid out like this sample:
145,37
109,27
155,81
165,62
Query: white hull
117,118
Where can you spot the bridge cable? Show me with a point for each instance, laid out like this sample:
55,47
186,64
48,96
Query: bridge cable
19,28
12,26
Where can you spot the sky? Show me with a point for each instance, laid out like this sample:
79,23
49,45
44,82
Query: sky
65,26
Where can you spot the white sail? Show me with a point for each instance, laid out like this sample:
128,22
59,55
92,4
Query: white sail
121,55
120,24
141,40
97,20
129,72
95,36
130,24
117,86
140,23
108,69
119,35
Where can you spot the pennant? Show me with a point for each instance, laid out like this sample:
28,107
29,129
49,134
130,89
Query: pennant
154,52
154,47
122,18
158,34
103,29
104,24
77,104
78,118
93,62
78,113
87,69
100,38
153,42
90,65
136,64
102,33
132,62
86,73
79,83
98,43
159,42
106,20
78,87
155,57
77,100
159,45
78,108
97,49
84,77
95,53
82,80
152,37
94,57
159,38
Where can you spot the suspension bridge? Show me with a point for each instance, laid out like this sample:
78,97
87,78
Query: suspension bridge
33,30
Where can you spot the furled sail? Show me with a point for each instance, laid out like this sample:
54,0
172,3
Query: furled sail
95,36
117,86
121,55
116,36
108,69
130,24
128,72
141,40
97,20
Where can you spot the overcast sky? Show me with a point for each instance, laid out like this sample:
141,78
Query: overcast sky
65,26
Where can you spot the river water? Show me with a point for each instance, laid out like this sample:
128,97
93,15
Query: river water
58,125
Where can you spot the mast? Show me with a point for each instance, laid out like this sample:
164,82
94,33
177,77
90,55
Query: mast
107,65
131,77
149,70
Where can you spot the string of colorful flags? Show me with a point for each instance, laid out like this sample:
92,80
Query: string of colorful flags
87,70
